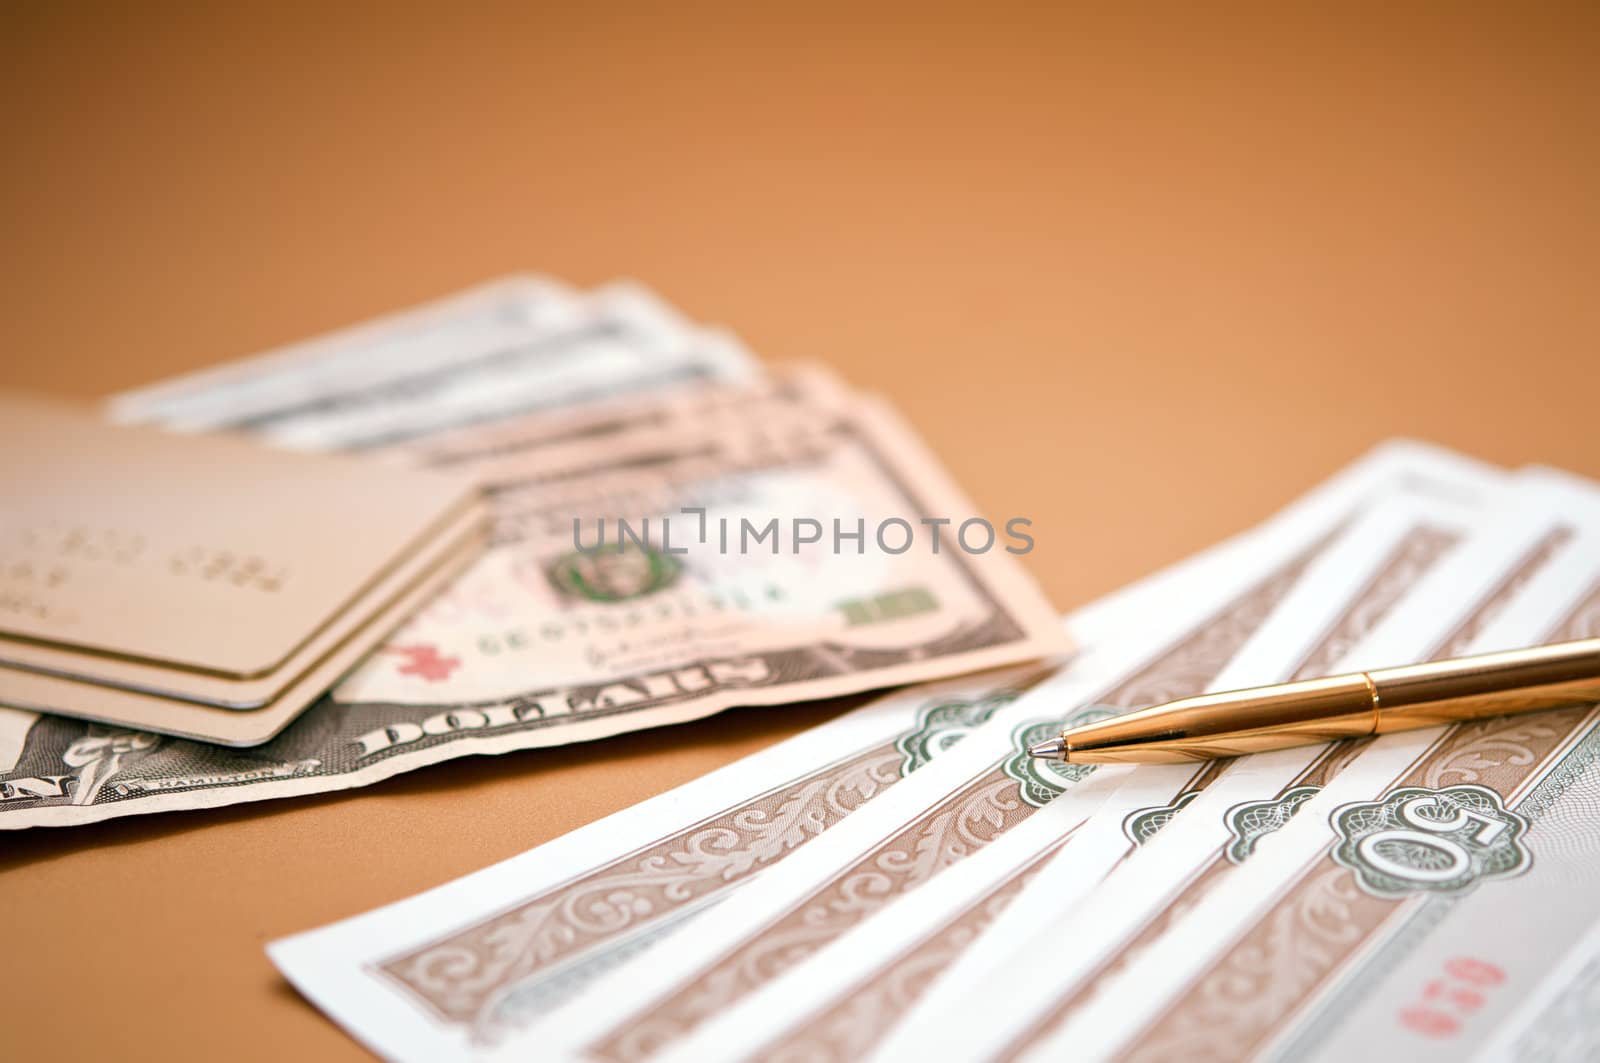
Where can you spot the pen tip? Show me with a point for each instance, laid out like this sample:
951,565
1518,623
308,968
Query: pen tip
1050,750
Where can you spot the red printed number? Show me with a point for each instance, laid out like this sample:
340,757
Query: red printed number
1449,999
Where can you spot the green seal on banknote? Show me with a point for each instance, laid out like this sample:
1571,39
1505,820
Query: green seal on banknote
944,723
1251,821
614,572
1422,840
1142,825
1039,780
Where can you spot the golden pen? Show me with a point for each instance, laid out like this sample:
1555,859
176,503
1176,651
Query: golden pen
1343,706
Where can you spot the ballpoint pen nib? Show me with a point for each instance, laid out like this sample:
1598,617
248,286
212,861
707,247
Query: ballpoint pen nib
1050,750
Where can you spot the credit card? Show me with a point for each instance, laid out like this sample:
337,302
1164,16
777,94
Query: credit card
252,693
147,712
209,553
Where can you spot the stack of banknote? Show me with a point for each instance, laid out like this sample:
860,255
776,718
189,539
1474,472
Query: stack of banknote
904,882
674,530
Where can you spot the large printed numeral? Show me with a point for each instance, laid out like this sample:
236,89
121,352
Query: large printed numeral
1417,839
1430,833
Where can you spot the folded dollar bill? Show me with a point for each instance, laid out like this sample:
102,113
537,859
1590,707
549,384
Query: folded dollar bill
655,558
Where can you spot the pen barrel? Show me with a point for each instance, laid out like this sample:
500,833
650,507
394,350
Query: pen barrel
1496,684
1345,706
1232,724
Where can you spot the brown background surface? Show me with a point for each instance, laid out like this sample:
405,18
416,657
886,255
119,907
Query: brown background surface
1142,278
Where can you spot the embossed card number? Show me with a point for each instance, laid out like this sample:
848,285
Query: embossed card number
48,557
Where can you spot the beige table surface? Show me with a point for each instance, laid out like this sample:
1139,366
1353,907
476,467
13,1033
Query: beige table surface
1141,279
